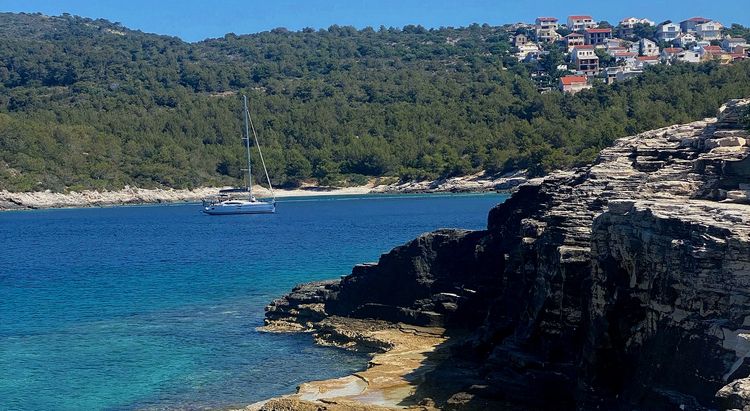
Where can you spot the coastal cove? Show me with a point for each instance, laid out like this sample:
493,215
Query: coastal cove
156,306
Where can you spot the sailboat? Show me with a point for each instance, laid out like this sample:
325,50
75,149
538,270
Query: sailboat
226,201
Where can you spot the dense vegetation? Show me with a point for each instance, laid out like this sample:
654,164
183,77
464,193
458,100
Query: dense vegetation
90,104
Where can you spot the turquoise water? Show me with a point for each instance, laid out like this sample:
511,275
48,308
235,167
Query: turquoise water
154,307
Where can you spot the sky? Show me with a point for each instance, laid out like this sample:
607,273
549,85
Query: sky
195,20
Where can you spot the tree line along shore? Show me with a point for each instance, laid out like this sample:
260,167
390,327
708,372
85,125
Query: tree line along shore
92,105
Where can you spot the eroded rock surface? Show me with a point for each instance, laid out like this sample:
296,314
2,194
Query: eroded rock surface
623,285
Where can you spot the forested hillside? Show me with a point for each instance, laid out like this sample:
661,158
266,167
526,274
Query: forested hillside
90,104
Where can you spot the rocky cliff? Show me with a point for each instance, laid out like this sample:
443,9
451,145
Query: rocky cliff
623,285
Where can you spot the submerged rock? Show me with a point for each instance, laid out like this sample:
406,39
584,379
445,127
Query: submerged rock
623,285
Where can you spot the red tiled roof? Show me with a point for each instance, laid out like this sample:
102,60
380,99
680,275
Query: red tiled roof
580,17
738,56
570,80
598,30
546,18
648,58
711,48
574,35
698,19
585,47
672,50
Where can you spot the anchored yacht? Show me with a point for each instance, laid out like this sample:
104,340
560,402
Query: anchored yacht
234,200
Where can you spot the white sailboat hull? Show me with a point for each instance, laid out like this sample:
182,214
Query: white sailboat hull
240,207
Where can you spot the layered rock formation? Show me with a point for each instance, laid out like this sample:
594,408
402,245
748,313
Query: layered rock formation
623,285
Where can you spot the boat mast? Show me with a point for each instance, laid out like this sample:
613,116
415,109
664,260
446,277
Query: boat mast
260,152
247,147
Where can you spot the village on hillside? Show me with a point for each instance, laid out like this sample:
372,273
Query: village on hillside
594,51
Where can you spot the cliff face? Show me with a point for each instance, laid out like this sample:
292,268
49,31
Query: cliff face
620,285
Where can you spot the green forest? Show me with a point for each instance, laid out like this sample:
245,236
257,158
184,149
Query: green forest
91,104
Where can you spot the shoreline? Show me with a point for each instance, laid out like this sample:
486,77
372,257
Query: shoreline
476,183
401,356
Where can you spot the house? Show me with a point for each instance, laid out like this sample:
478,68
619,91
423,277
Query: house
729,43
670,53
520,26
546,29
627,58
520,39
620,45
610,74
617,74
631,22
581,23
535,56
627,74
689,56
526,49
573,84
644,61
617,43
648,48
585,59
709,31
597,36
574,39
725,58
684,40
626,28
667,31
709,52
689,25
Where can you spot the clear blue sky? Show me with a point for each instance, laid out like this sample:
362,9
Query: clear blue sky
194,20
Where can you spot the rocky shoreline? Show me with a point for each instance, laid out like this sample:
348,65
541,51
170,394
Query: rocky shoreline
623,285
131,195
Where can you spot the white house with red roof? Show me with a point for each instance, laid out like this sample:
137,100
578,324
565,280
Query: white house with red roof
580,23
574,84
710,52
669,54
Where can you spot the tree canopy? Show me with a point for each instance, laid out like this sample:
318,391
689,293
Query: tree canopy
91,104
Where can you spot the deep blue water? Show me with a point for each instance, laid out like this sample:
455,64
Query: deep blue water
156,306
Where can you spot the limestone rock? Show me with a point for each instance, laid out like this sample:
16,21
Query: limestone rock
622,285
735,395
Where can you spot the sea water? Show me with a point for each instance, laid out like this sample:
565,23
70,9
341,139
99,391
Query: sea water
155,307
